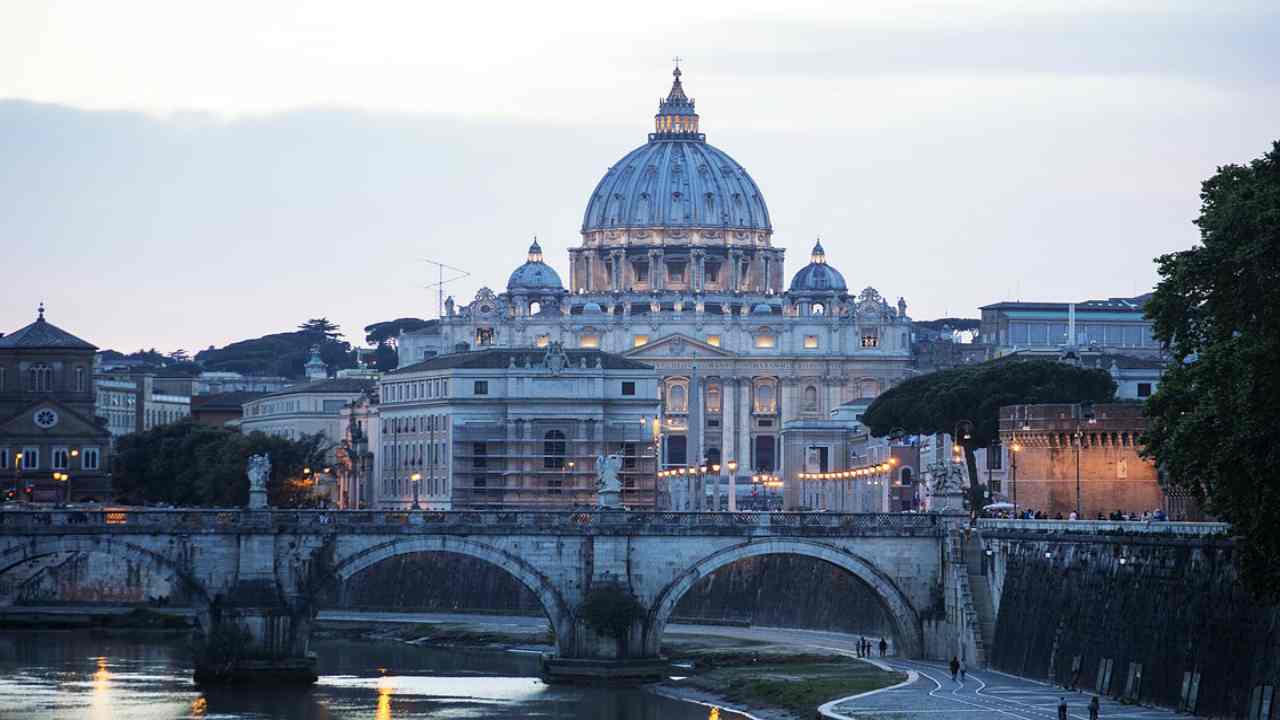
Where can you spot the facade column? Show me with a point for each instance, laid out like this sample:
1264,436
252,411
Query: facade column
616,258
590,269
658,271
767,268
744,426
733,270
694,443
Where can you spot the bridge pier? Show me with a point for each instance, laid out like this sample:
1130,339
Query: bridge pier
258,638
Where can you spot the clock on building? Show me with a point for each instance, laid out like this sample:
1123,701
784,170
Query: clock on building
46,418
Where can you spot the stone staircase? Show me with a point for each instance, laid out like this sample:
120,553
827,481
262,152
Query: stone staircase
980,593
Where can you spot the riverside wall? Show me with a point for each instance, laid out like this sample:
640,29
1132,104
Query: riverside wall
1151,619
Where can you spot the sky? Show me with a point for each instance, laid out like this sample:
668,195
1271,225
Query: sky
180,175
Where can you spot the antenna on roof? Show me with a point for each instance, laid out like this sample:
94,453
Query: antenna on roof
442,281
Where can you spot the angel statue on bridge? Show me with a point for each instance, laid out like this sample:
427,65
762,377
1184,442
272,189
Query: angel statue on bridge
608,486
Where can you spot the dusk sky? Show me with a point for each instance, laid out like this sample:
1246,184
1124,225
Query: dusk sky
179,175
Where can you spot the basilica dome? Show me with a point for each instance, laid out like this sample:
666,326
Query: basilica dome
534,274
818,276
676,180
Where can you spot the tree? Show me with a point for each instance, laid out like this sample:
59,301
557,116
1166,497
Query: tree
188,464
938,402
179,356
1214,415
321,328
386,332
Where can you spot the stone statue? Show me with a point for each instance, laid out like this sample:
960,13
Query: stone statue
608,485
259,470
902,308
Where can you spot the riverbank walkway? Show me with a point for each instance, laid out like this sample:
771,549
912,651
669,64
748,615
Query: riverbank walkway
984,694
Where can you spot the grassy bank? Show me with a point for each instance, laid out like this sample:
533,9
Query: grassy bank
137,619
779,680
435,634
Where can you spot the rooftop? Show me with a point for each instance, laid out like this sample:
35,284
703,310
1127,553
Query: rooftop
43,334
224,401
497,358
1118,303
336,386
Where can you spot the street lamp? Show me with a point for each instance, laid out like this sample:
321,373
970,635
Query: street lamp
732,467
1014,449
17,475
1083,411
415,478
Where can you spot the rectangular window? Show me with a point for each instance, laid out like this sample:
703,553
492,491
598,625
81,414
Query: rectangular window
640,341
628,388
870,341
766,341
484,337
1058,334
30,458
481,388
1133,335
60,458
1144,390
675,271
589,341
712,271
1017,334
629,456
641,270
995,457
810,342
713,340
480,460
4,458
1038,334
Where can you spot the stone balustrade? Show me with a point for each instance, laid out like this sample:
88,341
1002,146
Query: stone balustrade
1107,527
469,522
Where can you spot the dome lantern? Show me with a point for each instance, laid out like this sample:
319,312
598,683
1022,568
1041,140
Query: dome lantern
818,256
535,251
676,118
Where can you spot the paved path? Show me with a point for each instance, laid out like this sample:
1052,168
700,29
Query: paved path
985,694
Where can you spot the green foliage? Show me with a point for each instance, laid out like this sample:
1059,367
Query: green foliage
191,465
937,402
1215,413
282,354
321,329
381,332
611,610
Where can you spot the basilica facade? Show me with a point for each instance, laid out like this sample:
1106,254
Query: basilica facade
677,269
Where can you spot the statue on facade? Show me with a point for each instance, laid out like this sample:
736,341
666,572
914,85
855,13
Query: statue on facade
258,470
608,484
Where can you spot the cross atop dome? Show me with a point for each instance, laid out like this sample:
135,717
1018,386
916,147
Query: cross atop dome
676,118
40,312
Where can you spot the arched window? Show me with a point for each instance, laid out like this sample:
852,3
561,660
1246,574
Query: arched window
535,307
678,399
905,476
553,449
811,398
40,378
713,398
765,399
819,309
80,379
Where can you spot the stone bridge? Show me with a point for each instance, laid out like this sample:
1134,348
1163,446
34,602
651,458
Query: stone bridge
263,568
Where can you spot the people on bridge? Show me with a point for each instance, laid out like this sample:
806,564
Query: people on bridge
1062,708
861,640
955,667
963,669
1094,708
884,647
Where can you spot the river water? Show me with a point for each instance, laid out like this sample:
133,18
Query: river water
48,675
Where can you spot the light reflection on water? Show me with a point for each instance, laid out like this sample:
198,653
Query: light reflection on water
47,675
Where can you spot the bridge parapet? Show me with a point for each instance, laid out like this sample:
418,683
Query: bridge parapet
479,522
1105,527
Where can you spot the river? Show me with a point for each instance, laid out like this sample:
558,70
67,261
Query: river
56,675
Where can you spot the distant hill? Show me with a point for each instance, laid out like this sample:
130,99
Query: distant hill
282,354
953,323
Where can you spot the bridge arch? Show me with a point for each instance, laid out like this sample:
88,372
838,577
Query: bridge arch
558,612
903,617
34,548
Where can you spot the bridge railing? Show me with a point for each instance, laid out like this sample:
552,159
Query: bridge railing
1108,527
193,520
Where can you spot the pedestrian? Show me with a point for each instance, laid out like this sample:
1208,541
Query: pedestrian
963,668
861,640
955,667
884,647
1094,708
1062,708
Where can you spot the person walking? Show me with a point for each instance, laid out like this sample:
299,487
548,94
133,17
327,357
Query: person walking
955,667
1062,708
861,644
884,647
1094,707
963,669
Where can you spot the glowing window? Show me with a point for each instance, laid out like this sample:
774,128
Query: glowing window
766,341
810,342
589,341
870,341
713,340
542,340
640,341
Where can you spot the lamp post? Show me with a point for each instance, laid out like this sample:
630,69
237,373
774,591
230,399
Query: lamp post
1083,411
66,476
732,467
17,476
415,478
1014,448
960,442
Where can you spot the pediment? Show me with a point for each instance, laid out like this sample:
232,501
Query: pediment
677,345
66,422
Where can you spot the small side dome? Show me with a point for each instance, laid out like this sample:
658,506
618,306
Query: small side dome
592,308
762,309
535,274
818,276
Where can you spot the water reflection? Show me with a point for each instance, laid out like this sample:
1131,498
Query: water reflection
51,675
